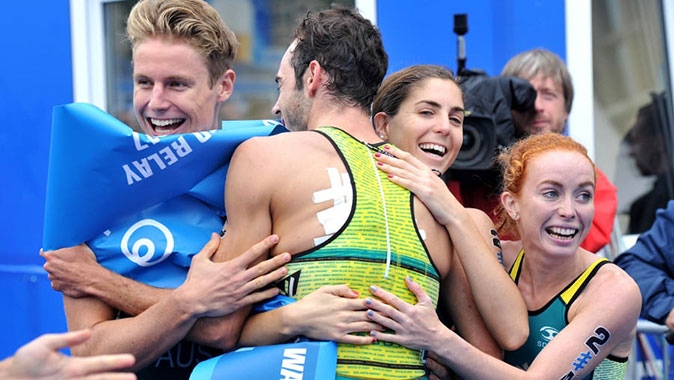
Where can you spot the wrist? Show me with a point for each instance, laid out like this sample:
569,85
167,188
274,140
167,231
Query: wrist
96,280
290,323
184,303
457,216
440,343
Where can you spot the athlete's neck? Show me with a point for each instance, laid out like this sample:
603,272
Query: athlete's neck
547,272
352,120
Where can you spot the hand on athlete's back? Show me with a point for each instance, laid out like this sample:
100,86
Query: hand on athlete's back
217,289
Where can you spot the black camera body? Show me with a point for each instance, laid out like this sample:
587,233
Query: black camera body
488,125
479,130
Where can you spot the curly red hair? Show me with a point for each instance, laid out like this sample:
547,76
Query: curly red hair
514,161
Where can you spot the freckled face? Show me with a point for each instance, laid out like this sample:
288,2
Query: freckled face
556,204
429,123
171,91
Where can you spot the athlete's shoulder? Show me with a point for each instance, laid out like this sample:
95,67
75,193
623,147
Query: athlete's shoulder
614,277
612,300
612,283
281,143
262,150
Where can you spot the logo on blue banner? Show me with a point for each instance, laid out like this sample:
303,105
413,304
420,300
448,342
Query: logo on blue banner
303,360
292,366
142,251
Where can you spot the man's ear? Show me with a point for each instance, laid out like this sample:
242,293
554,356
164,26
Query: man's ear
511,205
381,124
225,85
315,77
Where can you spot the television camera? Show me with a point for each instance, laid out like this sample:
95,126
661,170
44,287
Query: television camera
488,124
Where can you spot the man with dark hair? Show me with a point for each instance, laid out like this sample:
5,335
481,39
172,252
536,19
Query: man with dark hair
319,189
308,184
355,73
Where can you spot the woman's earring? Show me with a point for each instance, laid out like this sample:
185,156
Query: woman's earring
516,216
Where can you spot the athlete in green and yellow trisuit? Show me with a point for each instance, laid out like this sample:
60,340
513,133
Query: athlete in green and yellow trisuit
351,228
379,244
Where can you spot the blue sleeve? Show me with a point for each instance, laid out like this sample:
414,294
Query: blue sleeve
650,262
271,304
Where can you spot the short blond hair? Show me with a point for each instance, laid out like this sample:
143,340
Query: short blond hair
192,21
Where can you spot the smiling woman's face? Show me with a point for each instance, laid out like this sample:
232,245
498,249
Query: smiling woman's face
429,123
556,204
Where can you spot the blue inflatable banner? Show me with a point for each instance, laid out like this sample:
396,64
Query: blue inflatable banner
305,360
138,201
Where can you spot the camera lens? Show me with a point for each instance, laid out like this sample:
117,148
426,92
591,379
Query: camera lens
468,141
471,143
479,139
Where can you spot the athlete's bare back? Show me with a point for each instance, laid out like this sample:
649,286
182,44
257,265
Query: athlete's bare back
271,187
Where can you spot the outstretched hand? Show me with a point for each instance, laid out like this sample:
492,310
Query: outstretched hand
409,172
335,313
40,359
218,289
415,326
